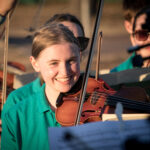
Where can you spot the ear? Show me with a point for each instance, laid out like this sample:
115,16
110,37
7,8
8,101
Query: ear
34,64
128,26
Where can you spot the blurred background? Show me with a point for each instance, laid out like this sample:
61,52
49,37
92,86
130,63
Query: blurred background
31,14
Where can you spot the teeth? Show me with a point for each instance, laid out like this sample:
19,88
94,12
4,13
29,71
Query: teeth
63,80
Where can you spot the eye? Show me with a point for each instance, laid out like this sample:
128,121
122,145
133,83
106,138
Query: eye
53,63
72,61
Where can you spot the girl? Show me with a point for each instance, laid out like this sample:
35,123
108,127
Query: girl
56,56
76,27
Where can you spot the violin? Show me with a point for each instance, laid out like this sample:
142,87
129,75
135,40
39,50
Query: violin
99,99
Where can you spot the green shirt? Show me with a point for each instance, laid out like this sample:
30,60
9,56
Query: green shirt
21,93
25,125
125,65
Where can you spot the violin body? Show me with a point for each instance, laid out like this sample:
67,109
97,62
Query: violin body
99,99
92,106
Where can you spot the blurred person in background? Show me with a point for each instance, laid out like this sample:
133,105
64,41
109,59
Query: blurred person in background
141,35
131,8
73,23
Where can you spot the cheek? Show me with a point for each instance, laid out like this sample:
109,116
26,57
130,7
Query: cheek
76,67
48,73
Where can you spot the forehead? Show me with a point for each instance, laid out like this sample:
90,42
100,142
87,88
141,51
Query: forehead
60,51
140,21
75,28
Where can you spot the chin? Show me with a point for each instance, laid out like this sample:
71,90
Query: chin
64,89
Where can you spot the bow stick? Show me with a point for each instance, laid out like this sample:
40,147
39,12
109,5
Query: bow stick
4,86
91,52
98,55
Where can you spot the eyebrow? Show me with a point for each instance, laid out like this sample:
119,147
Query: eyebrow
73,57
51,61
56,60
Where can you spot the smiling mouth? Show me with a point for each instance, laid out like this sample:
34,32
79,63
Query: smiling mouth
63,80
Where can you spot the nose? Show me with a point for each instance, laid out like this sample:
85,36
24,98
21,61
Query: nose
64,69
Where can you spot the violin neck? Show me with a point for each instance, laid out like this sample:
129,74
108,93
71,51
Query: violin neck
129,104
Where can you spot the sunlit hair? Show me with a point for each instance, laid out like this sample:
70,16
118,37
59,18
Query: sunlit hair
49,35
65,17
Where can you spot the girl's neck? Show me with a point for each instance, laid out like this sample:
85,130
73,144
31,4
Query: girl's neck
51,95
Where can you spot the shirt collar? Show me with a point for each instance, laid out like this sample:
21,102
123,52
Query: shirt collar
37,84
43,103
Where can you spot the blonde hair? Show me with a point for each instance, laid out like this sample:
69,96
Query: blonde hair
49,35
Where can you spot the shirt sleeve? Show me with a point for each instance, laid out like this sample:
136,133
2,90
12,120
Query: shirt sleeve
11,101
8,140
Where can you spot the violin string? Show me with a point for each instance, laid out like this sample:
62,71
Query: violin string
96,95
110,99
133,104
116,97
141,106
127,101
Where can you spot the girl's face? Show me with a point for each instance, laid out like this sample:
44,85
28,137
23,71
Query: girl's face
59,66
144,52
